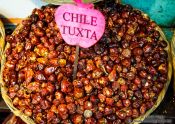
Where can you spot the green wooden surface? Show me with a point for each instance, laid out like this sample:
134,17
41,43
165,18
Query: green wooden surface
161,11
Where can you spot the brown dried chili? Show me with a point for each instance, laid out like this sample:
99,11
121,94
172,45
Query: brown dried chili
118,79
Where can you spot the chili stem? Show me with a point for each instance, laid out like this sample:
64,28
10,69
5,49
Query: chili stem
76,62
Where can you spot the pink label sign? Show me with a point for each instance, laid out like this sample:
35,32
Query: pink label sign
80,25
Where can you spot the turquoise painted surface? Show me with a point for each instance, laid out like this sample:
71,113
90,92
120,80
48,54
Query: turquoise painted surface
168,33
161,11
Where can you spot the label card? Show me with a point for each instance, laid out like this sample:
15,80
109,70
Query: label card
80,24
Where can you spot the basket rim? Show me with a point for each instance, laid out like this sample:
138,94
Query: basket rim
138,120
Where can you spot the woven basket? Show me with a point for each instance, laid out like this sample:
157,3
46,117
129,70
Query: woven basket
4,90
173,57
2,38
28,120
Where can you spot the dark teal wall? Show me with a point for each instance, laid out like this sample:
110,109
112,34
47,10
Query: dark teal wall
161,11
